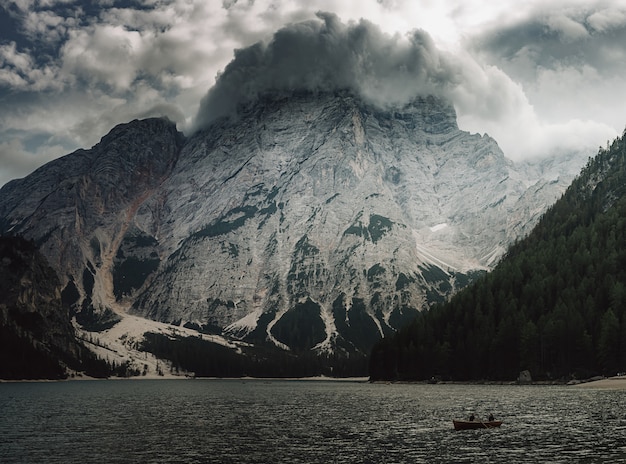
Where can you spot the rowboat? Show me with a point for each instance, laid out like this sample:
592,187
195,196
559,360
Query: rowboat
469,425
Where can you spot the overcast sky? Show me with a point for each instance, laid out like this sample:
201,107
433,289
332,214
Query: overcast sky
540,77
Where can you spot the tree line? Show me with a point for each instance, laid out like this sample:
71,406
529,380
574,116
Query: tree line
207,359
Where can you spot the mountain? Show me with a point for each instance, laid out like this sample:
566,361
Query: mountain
37,339
554,306
310,222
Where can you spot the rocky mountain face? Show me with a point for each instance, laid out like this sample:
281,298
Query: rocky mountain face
79,208
37,338
310,221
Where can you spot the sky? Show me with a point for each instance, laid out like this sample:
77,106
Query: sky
540,77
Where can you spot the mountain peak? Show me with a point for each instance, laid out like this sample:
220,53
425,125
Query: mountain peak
310,221
428,113
147,128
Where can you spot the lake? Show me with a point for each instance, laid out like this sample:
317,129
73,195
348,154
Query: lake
288,421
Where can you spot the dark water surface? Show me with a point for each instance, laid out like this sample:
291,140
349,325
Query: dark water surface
260,421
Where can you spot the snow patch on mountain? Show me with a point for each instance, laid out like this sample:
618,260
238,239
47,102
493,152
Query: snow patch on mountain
122,344
438,227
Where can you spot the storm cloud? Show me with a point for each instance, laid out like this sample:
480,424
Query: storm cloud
540,77
569,59
390,70
326,55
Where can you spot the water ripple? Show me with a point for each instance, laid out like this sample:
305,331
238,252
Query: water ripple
254,421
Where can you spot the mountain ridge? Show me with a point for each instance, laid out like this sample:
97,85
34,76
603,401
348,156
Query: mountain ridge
311,221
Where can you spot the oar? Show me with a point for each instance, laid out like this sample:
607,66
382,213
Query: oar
484,424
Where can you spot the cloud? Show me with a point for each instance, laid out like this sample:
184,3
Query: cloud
607,19
14,158
487,100
556,36
18,70
48,25
569,61
104,54
101,65
18,162
389,71
568,29
70,70
70,75
327,55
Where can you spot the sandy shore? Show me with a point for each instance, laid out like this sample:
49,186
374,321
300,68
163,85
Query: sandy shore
610,383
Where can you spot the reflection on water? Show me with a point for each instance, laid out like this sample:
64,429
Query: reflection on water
258,421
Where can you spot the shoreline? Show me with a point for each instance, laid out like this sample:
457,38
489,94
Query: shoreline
605,383
608,383
81,378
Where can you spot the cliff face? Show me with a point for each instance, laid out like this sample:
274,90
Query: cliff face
310,221
36,336
78,208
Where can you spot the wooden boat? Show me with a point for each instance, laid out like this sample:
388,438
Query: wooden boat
475,424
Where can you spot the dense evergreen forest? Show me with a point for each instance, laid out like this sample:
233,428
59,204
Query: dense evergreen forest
555,304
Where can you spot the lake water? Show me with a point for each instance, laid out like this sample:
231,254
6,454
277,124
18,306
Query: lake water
261,421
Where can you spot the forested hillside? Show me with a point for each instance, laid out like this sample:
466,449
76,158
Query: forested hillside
555,304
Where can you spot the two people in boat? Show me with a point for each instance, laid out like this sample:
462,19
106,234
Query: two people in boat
491,418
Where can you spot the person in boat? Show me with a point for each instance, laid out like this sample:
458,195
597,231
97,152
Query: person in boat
471,417
491,419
